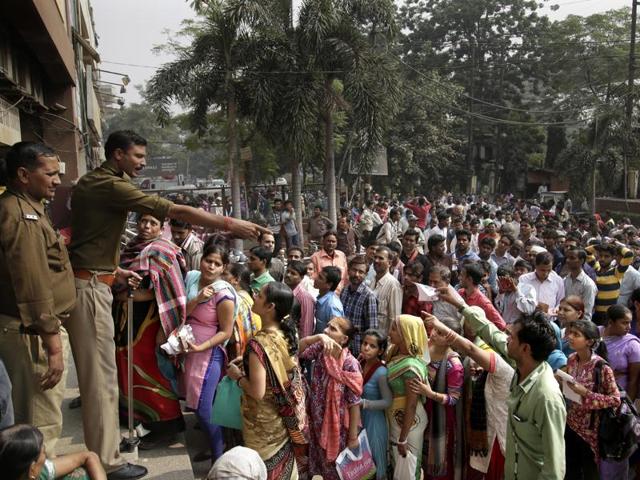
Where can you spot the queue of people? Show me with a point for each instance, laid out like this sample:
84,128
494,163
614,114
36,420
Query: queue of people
444,329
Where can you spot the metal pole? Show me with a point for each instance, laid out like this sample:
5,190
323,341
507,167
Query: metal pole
595,167
470,159
130,444
630,96
130,361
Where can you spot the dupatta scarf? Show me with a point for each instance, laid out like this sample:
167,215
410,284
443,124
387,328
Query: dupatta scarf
163,262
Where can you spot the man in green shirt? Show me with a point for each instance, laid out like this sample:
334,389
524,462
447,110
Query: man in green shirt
537,415
259,260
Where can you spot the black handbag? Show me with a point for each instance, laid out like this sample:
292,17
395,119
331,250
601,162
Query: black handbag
619,430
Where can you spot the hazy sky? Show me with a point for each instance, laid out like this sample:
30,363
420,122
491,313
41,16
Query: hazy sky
129,29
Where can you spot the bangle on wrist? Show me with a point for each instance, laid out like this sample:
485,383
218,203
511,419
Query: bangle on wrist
450,337
401,443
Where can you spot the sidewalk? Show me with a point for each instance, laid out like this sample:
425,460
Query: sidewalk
168,462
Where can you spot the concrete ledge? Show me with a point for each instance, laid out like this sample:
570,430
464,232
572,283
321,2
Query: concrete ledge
170,462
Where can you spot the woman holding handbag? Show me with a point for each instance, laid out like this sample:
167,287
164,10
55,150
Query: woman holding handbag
274,419
583,420
335,391
211,311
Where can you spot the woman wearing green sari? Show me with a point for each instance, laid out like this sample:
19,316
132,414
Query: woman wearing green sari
407,417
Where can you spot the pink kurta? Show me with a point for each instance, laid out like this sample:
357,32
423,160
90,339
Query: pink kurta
204,323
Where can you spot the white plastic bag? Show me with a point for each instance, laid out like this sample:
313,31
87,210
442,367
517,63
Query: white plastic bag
177,341
405,467
356,464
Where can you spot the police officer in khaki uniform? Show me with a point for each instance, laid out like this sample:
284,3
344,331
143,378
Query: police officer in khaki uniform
100,204
36,289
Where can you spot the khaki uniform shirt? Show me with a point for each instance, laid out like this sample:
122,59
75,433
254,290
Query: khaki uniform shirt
99,206
36,281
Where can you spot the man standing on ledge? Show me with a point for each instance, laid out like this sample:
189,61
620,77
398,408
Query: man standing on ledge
100,204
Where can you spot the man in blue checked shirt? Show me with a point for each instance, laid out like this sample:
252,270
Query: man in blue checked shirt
359,302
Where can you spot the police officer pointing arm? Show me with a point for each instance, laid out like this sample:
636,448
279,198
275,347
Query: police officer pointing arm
101,201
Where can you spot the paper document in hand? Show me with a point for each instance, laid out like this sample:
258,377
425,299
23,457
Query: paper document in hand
566,390
426,293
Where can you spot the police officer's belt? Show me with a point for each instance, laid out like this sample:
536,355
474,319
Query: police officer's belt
106,278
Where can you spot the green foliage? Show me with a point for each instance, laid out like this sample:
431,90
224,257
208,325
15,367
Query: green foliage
434,81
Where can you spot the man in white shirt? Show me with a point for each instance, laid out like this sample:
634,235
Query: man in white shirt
389,233
387,289
442,228
630,282
577,282
368,220
548,285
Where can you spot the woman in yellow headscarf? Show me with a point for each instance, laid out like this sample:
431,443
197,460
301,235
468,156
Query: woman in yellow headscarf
407,417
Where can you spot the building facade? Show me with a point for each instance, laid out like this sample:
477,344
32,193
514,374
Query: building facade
49,80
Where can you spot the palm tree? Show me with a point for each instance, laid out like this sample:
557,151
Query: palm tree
211,71
346,41
336,60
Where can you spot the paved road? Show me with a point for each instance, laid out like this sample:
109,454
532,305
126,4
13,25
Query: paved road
167,462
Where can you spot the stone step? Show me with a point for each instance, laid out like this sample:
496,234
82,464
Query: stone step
167,462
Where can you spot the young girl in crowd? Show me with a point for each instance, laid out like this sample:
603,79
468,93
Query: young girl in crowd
376,397
211,311
407,417
247,322
581,433
446,375
336,387
570,309
23,457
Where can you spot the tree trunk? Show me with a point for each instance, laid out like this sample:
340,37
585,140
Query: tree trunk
329,160
296,188
232,150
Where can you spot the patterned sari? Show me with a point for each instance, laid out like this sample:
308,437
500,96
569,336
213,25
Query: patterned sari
276,425
399,369
155,400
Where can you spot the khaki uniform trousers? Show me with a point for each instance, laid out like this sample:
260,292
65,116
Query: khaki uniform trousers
26,361
91,332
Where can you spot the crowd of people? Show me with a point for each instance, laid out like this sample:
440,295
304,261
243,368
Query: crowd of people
482,339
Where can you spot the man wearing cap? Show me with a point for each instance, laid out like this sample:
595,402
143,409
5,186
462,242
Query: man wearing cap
100,204
413,225
36,289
